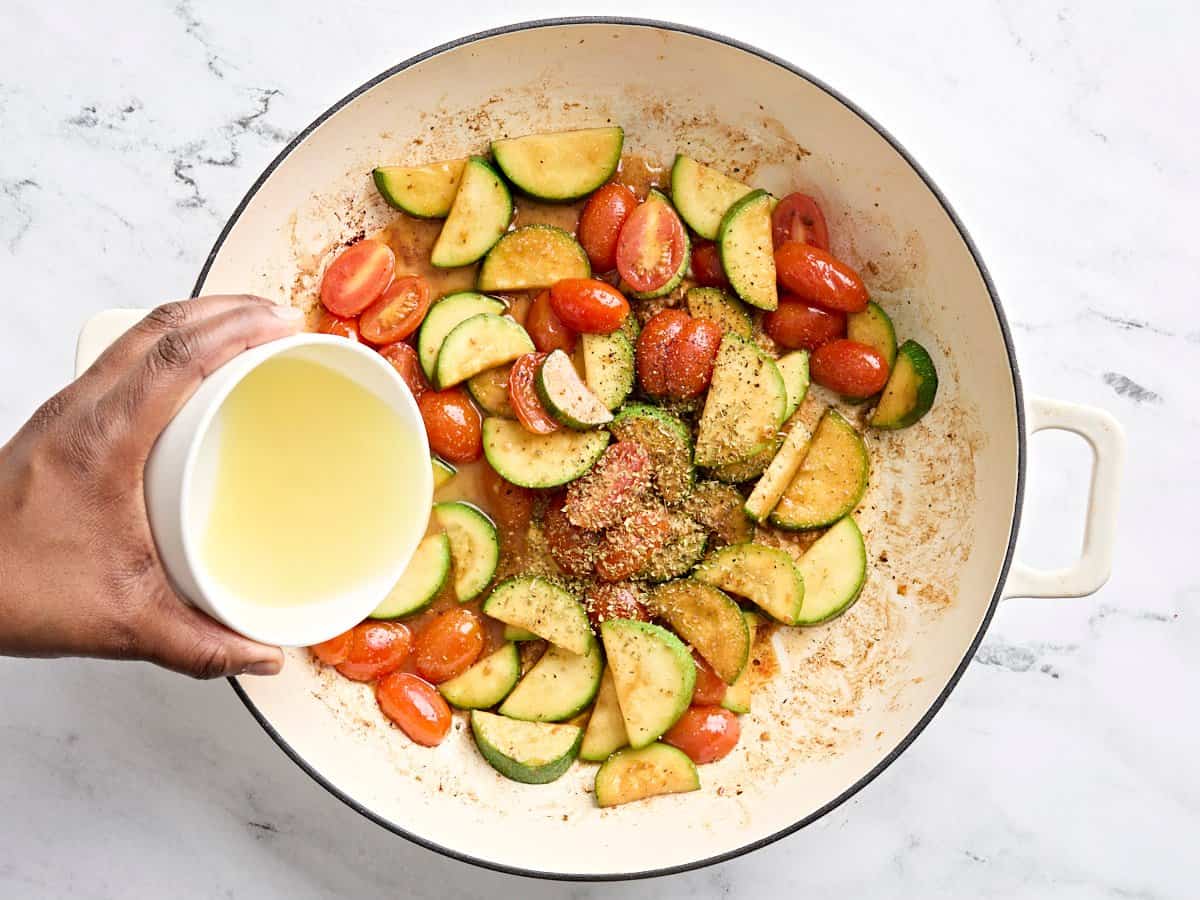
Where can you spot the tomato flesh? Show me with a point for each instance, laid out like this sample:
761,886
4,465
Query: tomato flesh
453,424
849,368
334,651
396,314
523,396
652,346
600,224
510,505
797,325
710,689
797,217
546,328
376,648
706,265
357,277
627,548
338,326
613,489
449,645
404,360
816,277
588,305
651,247
690,358
705,733
572,548
612,601
415,706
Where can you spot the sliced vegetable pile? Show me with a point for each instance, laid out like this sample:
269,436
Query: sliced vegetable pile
634,399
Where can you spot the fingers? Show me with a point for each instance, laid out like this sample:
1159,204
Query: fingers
178,636
137,408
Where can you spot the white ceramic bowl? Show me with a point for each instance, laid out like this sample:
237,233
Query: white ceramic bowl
940,518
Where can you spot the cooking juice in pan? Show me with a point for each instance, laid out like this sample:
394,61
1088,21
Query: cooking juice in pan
311,474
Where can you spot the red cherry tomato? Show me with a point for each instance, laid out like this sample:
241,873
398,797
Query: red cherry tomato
404,360
573,549
600,224
338,326
628,547
651,247
453,424
357,277
546,328
652,346
376,648
588,305
798,218
415,706
449,645
690,359
710,689
797,325
612,601
510,505
396,314
816,277
706,265
612,489
523,397
849,368
334,651
705,733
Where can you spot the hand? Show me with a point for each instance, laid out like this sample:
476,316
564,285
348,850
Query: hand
79,573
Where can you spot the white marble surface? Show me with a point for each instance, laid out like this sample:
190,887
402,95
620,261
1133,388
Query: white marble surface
1064,765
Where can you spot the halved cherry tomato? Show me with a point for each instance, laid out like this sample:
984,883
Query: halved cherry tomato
710,689
849,368
376,648
335,650
600,224
651,247
612,489
546,328
612,601
523,397
573,549
798,218
690,359
813,275
415,706
396,314
449,644
404,360
589,305
357,277
510,505
337,325
453,424
797,325
652,346
628,547
705,733
706,265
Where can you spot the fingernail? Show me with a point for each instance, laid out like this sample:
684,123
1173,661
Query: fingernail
287,313
263,667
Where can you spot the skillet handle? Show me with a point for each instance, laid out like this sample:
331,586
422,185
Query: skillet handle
1107,439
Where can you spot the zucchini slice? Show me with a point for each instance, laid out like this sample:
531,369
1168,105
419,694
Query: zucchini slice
654,676
421,582
910,389
487,682
668,441
703,195
480,214
474,345
540,460
605,733
513,633
834,571
764,575
544,608
874,328
832,477
655,206
528,752
531,258
748,468
737,695
441,319
718,507
748,250
474,546
426,192
728,312
794,369
745,405
564,165
652,771
779,474
708,620
684,549
490,390
565,395
560,685
442,472
608,366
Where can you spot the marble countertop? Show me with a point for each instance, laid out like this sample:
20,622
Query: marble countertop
1065,763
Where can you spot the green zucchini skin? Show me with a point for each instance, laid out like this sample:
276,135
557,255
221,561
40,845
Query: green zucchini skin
911,389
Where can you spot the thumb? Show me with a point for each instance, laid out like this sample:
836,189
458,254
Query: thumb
182,638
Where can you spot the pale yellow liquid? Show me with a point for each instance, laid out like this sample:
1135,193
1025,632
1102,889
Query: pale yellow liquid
312,475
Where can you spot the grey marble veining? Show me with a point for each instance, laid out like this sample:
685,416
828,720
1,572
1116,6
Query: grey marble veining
1065,763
